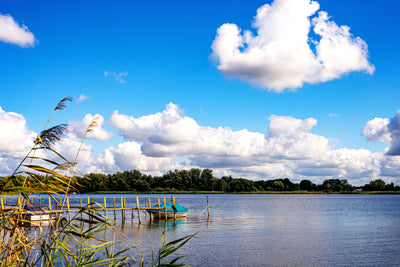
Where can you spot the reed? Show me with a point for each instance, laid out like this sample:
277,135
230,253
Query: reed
74,240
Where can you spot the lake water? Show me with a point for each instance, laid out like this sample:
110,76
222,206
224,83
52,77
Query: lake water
274,230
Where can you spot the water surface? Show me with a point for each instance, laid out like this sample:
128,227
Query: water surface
273,230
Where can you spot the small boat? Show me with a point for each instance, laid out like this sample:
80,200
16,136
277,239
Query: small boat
38,215
173,211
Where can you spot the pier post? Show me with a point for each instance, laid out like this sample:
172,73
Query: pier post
165,208
138,209
208,210
173,201
159,209
69,211
122,209
151,217
105,207
114,208
2,205
88,202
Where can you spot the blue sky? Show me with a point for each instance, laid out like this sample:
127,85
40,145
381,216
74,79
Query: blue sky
137,57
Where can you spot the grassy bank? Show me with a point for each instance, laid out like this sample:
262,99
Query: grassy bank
240,193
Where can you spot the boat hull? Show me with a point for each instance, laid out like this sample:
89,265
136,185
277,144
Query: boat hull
40,219
155,215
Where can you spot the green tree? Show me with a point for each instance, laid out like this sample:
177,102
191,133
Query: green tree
206,179
278,185
307,185
376,185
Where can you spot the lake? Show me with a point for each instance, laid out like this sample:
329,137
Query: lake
273,229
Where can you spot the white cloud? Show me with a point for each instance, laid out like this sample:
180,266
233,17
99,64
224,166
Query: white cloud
377,130
128,156
279,55
11,32
169,140
15,137
78,128
381,129
120,77
15,140
82,98
288,149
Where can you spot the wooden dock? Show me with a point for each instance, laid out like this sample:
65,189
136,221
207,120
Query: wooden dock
55,208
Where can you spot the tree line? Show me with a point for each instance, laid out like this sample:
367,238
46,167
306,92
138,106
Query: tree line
204,180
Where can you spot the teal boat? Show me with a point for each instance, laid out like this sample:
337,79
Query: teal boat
169,212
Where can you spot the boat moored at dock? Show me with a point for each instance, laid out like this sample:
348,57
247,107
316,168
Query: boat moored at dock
169,211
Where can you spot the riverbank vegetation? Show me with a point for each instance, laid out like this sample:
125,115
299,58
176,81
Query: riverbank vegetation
197,181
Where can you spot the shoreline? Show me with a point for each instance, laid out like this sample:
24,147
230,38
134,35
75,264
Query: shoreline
231,193
251,193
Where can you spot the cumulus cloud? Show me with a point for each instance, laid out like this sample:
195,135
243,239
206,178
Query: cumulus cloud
281,54
128,156
120,77
394,129
287,149
377,130
15,137
78,128
381,129
169,140
11,32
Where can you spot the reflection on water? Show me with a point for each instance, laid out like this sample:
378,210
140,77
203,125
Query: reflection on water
271,230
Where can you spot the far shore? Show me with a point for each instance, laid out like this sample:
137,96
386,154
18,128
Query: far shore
234,193
243,193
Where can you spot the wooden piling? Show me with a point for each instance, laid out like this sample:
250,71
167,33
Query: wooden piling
173,201
151,217
208,209
122,209
125,208
114,208
69,211
138,209
105,207
80,201
159,209
165,209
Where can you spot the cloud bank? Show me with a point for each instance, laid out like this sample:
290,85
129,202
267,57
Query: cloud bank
11,32
284,53
168,140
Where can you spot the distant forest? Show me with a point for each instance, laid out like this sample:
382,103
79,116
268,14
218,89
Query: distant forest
203,180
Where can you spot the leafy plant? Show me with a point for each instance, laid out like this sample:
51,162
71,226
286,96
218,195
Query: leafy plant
167,249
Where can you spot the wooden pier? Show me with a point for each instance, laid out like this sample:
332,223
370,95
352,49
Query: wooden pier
55,208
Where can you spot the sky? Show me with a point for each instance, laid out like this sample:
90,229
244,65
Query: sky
254,89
